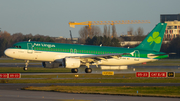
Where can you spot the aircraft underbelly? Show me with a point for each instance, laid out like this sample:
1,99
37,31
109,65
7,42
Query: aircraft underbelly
125,61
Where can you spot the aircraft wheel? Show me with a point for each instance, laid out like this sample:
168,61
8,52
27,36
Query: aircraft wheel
88,70
25,68
74,70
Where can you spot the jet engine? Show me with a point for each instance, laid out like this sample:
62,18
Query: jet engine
51,64
71,63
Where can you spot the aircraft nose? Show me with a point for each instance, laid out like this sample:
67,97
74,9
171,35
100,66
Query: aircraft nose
7,52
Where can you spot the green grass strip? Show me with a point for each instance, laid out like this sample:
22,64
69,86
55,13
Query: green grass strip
170,91
33,70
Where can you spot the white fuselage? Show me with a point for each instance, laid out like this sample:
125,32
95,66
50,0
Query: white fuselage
58,56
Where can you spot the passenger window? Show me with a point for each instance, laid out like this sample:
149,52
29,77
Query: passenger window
16,46
19,46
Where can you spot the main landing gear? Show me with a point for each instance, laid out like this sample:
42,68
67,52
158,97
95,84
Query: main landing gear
26,65
87,70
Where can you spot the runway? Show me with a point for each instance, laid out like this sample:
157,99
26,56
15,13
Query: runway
21,95
10,86
13,92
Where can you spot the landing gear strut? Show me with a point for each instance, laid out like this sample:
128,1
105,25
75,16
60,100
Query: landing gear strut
26,65
88,70
75,70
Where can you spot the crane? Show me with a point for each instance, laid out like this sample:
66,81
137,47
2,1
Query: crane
89,23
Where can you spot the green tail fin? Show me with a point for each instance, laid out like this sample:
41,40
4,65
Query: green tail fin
154,39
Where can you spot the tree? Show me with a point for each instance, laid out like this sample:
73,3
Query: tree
17,37
105,41
138,35
114,33
85,32
105,31
115,42
130,32
96,31
109,32
139,32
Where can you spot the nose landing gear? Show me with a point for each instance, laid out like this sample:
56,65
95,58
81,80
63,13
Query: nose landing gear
75,70
26,65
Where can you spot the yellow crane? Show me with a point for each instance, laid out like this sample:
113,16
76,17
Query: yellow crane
89,23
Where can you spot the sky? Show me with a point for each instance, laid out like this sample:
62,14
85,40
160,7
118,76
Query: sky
51,17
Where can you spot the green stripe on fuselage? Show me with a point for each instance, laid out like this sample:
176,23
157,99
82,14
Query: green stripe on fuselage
84,49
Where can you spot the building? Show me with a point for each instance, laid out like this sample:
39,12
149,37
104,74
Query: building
172,29
173,25
169,17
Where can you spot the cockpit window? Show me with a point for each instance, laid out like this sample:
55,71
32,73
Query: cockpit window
16,46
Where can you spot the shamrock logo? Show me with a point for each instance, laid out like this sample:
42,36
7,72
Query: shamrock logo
156,38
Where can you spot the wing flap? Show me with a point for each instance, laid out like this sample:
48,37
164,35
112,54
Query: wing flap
93,58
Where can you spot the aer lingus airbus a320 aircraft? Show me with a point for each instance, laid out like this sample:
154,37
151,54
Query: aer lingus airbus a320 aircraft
73,55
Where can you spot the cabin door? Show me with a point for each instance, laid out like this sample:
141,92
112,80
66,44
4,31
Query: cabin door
30,48
137,55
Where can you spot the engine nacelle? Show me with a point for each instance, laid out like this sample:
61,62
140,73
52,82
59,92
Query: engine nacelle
71,63
51,64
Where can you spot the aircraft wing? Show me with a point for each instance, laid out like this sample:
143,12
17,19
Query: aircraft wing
95,58
106,56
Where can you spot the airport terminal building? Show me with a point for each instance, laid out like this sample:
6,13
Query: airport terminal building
173,25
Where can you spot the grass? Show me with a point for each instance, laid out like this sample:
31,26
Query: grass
93,80
9,60
126,90
33,70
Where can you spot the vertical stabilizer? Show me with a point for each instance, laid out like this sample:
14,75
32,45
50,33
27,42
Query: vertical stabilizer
154,39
